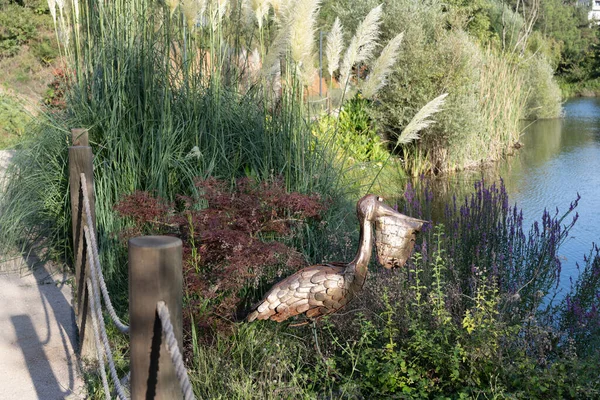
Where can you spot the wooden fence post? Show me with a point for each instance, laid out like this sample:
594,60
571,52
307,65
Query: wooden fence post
79,137
155,274
81,160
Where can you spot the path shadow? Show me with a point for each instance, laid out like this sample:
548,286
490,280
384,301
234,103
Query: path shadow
43,378
59,318
50,282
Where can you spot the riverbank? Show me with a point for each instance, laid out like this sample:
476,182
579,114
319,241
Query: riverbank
549,171
588,88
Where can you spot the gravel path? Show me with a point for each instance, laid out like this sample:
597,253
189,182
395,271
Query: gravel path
37,329
5,156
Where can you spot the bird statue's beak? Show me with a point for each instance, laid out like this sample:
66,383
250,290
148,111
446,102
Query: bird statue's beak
395,236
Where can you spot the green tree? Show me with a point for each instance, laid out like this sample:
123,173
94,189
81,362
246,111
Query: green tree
566,23
472,16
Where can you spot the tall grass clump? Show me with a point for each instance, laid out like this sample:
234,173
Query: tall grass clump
35,193
545,96
506,95
175,91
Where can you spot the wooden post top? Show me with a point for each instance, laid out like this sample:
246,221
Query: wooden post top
155,242
79,137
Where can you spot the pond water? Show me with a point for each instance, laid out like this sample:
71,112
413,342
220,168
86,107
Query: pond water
559,159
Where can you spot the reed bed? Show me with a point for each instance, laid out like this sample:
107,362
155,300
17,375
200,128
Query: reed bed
504,95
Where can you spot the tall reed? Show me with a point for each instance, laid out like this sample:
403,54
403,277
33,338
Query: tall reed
503,105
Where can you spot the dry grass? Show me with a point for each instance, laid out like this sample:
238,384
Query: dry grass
25,77
23,83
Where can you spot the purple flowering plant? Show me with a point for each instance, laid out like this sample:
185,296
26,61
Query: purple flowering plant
580,310
485,236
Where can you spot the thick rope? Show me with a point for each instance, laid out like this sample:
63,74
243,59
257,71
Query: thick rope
173,349
93,294
96,259
99,348
125,384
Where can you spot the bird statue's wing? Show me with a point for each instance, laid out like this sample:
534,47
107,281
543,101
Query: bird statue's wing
315,290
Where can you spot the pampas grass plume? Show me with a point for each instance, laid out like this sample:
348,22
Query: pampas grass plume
52,7
367,33
220,8
260,8
270,65
382,67
302,31
192,9
421,120
172,4
279,8
334,47
362,45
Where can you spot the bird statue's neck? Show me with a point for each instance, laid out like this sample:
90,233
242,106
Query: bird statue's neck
359,266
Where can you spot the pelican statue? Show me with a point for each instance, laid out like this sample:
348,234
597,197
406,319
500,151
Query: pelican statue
323,289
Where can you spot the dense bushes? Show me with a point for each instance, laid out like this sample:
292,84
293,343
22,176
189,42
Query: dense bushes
15,30
20,24
491,85
352,134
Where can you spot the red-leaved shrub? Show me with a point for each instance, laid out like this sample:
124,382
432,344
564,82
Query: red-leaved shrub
232,240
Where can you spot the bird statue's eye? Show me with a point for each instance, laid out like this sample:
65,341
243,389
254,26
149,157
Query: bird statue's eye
380,198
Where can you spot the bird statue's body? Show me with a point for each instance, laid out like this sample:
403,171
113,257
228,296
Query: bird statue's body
325,288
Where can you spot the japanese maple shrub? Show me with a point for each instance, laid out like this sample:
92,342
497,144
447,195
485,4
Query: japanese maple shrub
236,241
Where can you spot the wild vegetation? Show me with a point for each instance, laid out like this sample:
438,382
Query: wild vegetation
205,125
28,51
484,54
573,45
473,314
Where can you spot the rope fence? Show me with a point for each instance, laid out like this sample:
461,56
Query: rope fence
96,259
173,349
101,332
155,272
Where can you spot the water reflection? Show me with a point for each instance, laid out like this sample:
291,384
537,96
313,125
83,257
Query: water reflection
559,159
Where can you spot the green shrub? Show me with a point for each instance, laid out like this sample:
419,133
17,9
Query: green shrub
13,120
16,29
352,132
43,211
545,98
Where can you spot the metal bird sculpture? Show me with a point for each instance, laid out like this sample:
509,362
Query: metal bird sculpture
325,288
